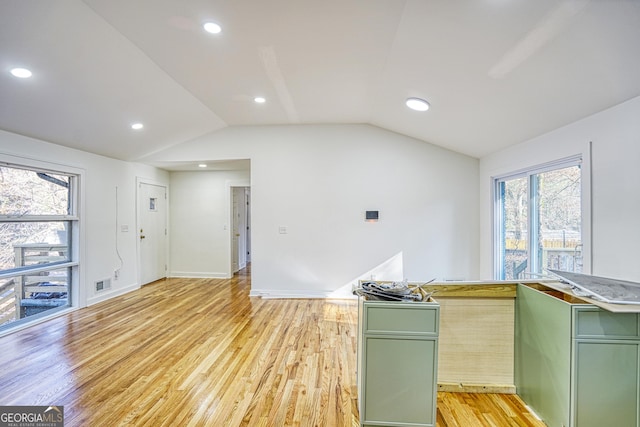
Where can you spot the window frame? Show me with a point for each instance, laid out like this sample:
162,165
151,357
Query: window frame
73,217
497,236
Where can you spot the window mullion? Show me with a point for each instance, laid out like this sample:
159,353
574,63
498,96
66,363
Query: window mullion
30,269
499,225
39,218
534,225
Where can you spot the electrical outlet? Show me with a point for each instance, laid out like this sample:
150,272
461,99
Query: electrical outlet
116,274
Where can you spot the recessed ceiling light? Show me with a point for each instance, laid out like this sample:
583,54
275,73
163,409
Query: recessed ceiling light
417,104
260,99
202,165
22,73
212,27
137,126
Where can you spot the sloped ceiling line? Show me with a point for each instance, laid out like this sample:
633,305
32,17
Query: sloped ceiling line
270,63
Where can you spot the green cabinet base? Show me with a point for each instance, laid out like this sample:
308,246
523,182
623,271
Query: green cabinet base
397,363
576,365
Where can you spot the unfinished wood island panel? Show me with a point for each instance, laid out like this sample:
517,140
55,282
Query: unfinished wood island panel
476,348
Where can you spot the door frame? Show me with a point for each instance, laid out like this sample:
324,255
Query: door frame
140,181
230,184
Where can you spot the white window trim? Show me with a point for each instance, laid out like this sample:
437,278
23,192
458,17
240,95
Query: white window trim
585,162
78,291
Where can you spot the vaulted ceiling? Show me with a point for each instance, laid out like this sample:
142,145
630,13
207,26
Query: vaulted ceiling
496,72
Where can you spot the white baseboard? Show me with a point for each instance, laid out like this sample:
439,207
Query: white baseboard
296,293
198,275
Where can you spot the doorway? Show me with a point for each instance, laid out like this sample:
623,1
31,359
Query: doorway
240,228
152,231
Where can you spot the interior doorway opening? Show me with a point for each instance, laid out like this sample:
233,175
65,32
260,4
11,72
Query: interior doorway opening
240,229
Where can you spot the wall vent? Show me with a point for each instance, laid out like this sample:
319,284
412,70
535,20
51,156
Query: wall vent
102,285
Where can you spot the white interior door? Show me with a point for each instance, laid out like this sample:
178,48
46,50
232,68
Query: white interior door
152,231
239,228
247,196
235,262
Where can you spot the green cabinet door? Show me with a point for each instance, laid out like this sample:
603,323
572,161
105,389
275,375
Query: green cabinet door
606,383
399,385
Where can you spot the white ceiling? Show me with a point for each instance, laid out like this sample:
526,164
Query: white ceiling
496,72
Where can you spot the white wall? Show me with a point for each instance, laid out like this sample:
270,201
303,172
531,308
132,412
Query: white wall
100,177
200,226
318,181
615,185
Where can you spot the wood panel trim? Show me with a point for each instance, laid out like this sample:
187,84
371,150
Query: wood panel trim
471,290
465,289
477,388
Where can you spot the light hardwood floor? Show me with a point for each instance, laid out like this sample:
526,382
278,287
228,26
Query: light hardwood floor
200,352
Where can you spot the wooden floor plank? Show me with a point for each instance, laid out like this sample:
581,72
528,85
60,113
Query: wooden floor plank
201,352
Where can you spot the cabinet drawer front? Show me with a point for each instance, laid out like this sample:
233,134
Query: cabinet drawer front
403,318
594,322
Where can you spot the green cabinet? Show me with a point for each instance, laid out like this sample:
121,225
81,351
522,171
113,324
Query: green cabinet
576,364
542,371
606,367
397,363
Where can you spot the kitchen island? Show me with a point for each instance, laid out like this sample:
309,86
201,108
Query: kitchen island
575,361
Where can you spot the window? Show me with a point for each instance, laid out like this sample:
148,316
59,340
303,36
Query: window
38,223
538,220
